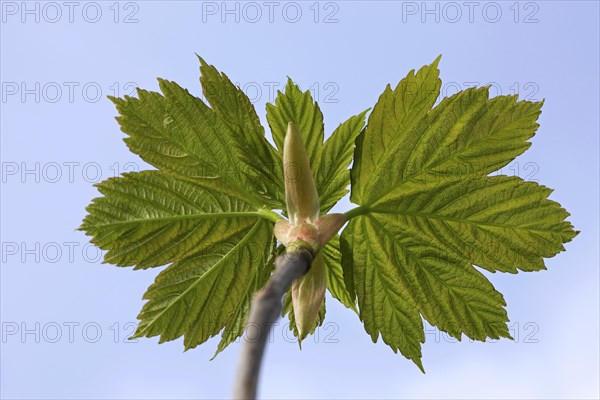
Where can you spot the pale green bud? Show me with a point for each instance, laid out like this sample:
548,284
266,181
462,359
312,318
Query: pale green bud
301,197
308,295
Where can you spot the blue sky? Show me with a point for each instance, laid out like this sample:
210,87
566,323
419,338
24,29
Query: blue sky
65,316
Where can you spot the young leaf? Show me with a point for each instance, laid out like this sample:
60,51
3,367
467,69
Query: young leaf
428,211
177,133
393,117
498,223
384,300
150,218
447,290
298,107
466,135
262,163
199,295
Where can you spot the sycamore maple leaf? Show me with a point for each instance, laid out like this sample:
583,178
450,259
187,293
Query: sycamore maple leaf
428,209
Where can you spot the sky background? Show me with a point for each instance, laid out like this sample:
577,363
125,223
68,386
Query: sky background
65,316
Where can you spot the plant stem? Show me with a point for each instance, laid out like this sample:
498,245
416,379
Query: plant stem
355,212
265,310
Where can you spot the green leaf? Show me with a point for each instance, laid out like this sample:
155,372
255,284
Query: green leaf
448,291
336,283
332,176
396,113
177,133
386,305
261,162
428,212
213,239
498,223
298,107
150,218
467,134
197,296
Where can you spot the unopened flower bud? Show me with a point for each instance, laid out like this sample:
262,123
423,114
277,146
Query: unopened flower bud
301,197
308,295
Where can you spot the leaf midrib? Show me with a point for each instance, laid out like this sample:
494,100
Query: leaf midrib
176,218
369,210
